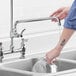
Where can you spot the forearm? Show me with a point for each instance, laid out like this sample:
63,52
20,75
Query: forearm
65,36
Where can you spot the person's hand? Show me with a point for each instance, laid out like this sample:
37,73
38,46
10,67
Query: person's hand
61,13
51,55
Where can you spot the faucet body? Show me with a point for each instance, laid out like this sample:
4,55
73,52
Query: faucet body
15,34
23,49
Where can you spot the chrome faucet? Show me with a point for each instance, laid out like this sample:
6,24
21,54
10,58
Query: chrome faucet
32,20
15,34
23,49
13,31
35,20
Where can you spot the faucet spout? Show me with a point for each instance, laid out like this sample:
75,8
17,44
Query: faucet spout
34,20
37,19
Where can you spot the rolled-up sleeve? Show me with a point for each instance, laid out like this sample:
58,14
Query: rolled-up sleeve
70,21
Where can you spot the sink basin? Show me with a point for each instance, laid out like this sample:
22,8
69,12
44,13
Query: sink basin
71,55
23,67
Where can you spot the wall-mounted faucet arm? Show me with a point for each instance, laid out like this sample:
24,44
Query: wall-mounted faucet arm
35,20
21,34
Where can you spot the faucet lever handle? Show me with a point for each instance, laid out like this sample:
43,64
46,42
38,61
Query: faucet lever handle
21,35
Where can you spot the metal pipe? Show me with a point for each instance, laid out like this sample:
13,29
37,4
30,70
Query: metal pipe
35,20
11,53
11,20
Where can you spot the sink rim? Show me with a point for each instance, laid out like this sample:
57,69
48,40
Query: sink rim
41,74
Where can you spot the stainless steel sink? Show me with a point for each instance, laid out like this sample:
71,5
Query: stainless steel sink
27,65
23,67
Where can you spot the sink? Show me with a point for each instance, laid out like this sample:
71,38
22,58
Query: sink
71,55
23,67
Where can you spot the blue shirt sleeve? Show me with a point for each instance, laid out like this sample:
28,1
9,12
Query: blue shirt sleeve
70,21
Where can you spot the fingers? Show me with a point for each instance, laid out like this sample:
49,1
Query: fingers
49,59
57,12
54,60
60,13
54,14
61,16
